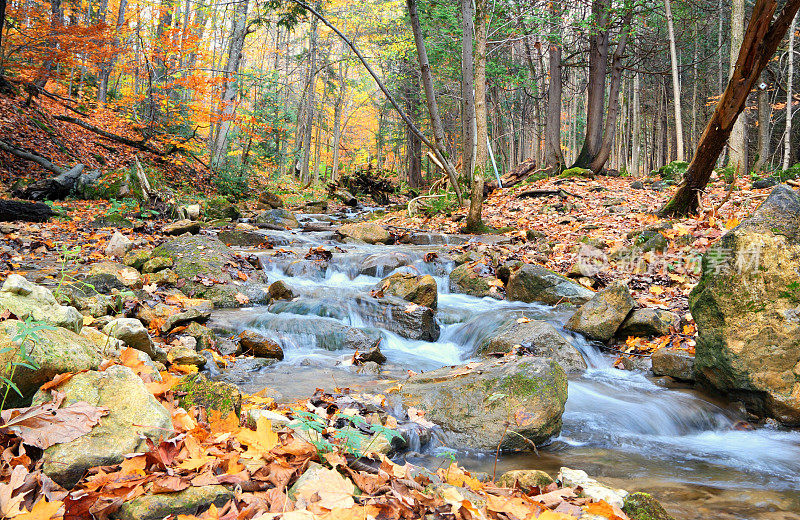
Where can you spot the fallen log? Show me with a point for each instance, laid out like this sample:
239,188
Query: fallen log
13,210
22,154
141,145
521,172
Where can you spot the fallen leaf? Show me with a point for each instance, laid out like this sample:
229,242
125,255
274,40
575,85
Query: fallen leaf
46,424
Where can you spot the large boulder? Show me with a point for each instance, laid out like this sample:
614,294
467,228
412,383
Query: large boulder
421,290
747,309
600,317
537,338
133,416
475,279
179,227
534,283
54,350
408,320
118,245
270,199
209,269
256,344
279,217
647,322
220,208
368,232
473,403
27,300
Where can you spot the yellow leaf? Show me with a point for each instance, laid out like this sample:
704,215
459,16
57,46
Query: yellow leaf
552,515
656,290
258,442
42,511
731,223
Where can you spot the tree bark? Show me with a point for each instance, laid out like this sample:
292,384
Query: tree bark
467,91
430,95
737,142
760,41
764,117
676,82
230,76
108,65
474,216
553,156
598,65
787,136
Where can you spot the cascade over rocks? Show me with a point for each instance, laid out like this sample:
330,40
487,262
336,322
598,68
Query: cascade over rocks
747,310
421,290
475,279
528,392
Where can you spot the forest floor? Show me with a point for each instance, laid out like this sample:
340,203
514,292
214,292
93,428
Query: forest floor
606,224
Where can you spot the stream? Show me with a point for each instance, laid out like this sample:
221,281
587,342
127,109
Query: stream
625,428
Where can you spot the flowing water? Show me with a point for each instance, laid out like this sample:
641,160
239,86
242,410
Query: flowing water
623,427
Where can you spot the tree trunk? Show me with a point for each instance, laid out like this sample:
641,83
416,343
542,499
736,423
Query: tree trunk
230,75
607,143
474,216
107,66
787,136
598,65
764,117
636,146
737,142
676,82
553,156
467,91
759,44
430,95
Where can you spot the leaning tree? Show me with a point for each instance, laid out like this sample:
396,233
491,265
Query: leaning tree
762,37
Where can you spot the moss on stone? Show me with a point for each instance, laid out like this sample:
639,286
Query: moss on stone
196,390
642,506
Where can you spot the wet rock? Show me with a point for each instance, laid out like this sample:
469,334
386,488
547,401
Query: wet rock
197,390
192,314
137,258
746,306
180,227
506,268
280,291
475,279
533,283
421,290
270,199
525,479
592,488
408,320
374,356
642,506
537,338
157,264
678,364
345,196
27,300
119,245
220,208
191,501
134,335
279,217
368,232
314,269
314,331
381,263
647,322
134,415
55,350
600,317
200,262
259,345
472,403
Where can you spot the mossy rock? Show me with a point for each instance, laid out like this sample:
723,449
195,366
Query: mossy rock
673,171
526,479
642,506
197,390
576,172
190,501
220,208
